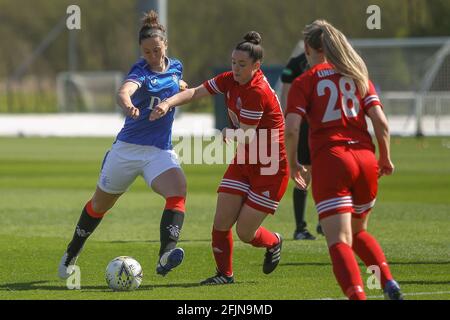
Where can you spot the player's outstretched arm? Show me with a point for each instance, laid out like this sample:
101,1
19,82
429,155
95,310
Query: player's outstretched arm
381,128
124,99
179,99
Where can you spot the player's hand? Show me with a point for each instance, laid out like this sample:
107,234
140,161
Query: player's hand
159,111
183,85
385,167
132,112
224,136
297,173
305,172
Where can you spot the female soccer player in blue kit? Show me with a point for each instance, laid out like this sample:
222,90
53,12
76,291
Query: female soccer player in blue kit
142,148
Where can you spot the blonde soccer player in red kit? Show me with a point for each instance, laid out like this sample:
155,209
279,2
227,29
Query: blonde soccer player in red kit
250,190
335,96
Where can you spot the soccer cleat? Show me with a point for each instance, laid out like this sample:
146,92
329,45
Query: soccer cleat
319,229
303,235
218,279
169,260
66,266
272,256
392,291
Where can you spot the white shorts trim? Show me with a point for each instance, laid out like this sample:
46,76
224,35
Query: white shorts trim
125,161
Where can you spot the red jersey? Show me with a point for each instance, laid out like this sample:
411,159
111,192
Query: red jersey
253,103
333,107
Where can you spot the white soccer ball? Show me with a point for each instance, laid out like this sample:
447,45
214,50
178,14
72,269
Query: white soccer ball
124,274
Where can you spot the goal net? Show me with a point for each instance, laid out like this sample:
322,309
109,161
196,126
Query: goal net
412,77
88,91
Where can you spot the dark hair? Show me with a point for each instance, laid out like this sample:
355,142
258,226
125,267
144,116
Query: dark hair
151,27
252,45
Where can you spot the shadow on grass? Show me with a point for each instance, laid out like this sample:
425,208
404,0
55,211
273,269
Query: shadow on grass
426,282
390,263
304,264
419,262
155,241
40,285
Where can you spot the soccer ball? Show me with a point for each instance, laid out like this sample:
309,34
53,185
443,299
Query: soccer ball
124,274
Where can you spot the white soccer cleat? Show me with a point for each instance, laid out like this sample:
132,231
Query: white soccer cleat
169,260
66,266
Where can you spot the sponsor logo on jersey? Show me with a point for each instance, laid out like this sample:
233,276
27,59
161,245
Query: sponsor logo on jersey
239,103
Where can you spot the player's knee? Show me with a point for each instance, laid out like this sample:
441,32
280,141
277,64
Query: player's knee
339,237
180,189
244,234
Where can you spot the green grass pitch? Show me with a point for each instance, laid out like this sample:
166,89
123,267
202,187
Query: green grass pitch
44,183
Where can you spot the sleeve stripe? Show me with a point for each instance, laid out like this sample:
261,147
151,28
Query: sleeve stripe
213,86
134,81
252,115
301,109
250,118
370,97
250,112
366,102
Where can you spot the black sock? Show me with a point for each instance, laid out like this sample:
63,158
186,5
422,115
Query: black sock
170,228
299,208
85,226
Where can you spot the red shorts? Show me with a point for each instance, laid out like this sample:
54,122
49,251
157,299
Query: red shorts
261,192
344,179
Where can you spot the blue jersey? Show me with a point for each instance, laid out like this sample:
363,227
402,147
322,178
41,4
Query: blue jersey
153,88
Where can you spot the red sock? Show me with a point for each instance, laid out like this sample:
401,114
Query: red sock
346,271
264,238
222,246
370,252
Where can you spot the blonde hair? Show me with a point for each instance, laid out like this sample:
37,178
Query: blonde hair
322,36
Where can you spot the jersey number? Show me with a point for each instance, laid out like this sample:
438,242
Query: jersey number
333,112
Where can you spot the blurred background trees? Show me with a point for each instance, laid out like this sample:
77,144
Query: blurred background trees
202,33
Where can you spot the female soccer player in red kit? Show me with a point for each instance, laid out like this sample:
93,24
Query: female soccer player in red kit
247,193
335,95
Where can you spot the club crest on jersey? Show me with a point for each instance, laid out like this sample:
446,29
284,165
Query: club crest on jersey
154,81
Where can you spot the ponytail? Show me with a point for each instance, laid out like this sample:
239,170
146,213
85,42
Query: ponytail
322,36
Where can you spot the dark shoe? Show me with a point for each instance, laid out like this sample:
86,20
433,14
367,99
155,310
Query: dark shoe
319,229
272,256
303,235
392,291
218,279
